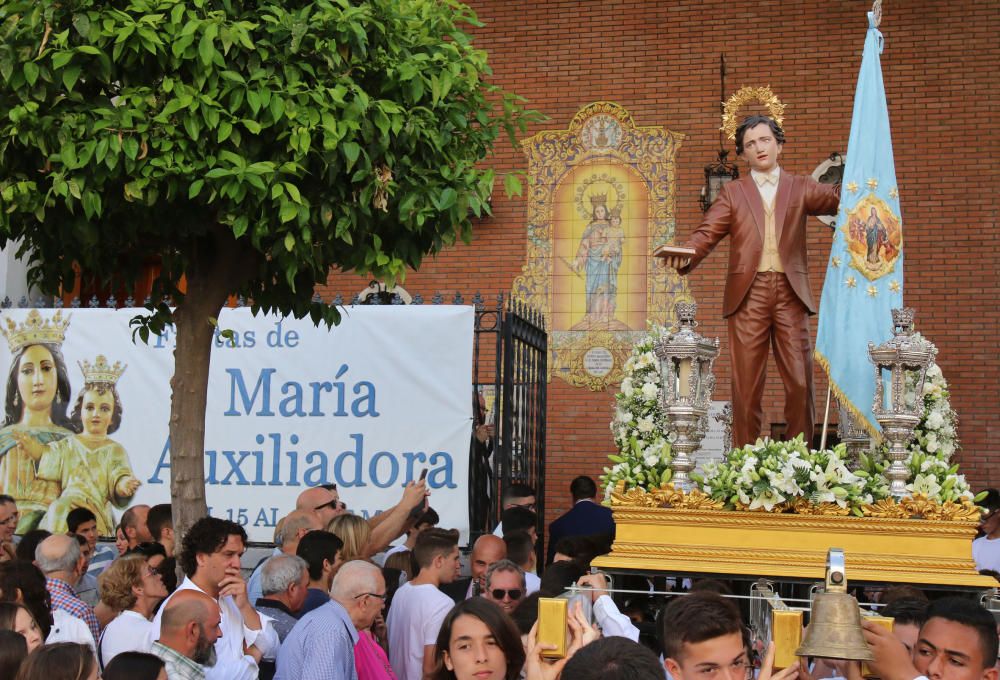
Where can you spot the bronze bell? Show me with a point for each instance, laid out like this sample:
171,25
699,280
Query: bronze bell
834,630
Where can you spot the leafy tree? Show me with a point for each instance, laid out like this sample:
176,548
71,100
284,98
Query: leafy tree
250,146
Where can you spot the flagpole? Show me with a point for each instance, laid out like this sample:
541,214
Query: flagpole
826,419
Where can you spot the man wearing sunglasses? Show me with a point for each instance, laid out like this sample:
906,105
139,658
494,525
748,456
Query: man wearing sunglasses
387,526
505,584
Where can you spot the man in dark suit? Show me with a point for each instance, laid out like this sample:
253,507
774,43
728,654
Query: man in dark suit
585,518
767,299
485,551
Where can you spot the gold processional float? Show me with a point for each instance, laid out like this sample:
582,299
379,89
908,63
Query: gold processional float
678,527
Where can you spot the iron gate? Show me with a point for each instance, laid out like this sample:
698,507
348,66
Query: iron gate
510,354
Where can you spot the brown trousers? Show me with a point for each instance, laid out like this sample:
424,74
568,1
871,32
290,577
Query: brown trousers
771,313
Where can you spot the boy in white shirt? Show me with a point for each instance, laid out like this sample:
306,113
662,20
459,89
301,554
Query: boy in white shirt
419,607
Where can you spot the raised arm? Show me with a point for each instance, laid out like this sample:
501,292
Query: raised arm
391,524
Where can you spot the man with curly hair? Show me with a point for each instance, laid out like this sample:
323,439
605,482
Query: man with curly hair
210,557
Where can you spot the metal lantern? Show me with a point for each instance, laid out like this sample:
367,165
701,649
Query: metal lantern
853,436
717,175
903,356
686,360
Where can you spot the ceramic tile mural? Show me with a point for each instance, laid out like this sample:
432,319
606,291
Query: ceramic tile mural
601,200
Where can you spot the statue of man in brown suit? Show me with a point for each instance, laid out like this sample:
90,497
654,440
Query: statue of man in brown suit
767,299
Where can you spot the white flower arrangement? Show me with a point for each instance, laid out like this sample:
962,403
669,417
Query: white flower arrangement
771,475
935,440
638,426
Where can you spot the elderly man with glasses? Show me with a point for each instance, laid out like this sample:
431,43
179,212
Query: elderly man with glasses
322,645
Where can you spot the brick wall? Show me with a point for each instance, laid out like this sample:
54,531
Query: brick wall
660,61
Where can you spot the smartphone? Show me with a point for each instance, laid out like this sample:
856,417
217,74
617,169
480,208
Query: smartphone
552,626
423,474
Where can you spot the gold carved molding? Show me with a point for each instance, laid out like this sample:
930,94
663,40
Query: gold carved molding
889,547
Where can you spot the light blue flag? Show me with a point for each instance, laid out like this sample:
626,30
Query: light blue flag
864,279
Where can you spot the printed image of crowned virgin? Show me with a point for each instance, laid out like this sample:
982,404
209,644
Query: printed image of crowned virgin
56,456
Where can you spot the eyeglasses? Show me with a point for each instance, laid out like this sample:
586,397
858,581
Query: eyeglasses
335,504
499,593
153,571
382,597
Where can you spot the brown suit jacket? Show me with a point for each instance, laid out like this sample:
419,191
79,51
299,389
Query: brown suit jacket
739,213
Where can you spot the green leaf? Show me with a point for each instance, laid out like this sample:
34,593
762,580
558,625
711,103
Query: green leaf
206,46
277,107
70,76
446,199
289,242
60,59
195,188
30,72
351,152
512,185
288,212
252,126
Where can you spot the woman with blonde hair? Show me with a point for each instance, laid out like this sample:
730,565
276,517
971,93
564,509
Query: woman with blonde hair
134,588
355,533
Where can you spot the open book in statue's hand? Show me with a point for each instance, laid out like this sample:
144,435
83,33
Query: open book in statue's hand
675,257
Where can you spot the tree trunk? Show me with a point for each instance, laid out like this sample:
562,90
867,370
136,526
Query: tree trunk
217,267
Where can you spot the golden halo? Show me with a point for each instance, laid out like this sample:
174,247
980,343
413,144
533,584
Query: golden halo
744,96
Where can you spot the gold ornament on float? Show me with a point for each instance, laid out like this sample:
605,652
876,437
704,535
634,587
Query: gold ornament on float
745,95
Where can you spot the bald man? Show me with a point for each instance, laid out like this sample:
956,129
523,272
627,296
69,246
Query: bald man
188,631
291,529
487,550
385,526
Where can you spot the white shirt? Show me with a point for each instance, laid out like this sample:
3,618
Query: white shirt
986,553
232,663
129,632
612,622
68,628
393,550
531,583
767,190
414,620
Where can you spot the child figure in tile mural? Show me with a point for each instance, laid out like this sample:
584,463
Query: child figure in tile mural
93,470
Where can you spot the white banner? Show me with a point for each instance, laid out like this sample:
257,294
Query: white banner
367,405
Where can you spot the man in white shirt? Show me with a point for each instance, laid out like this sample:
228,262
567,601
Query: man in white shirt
419,607
210,557
521,551
958,641
986,548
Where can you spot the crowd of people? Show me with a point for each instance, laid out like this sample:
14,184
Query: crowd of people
335,602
